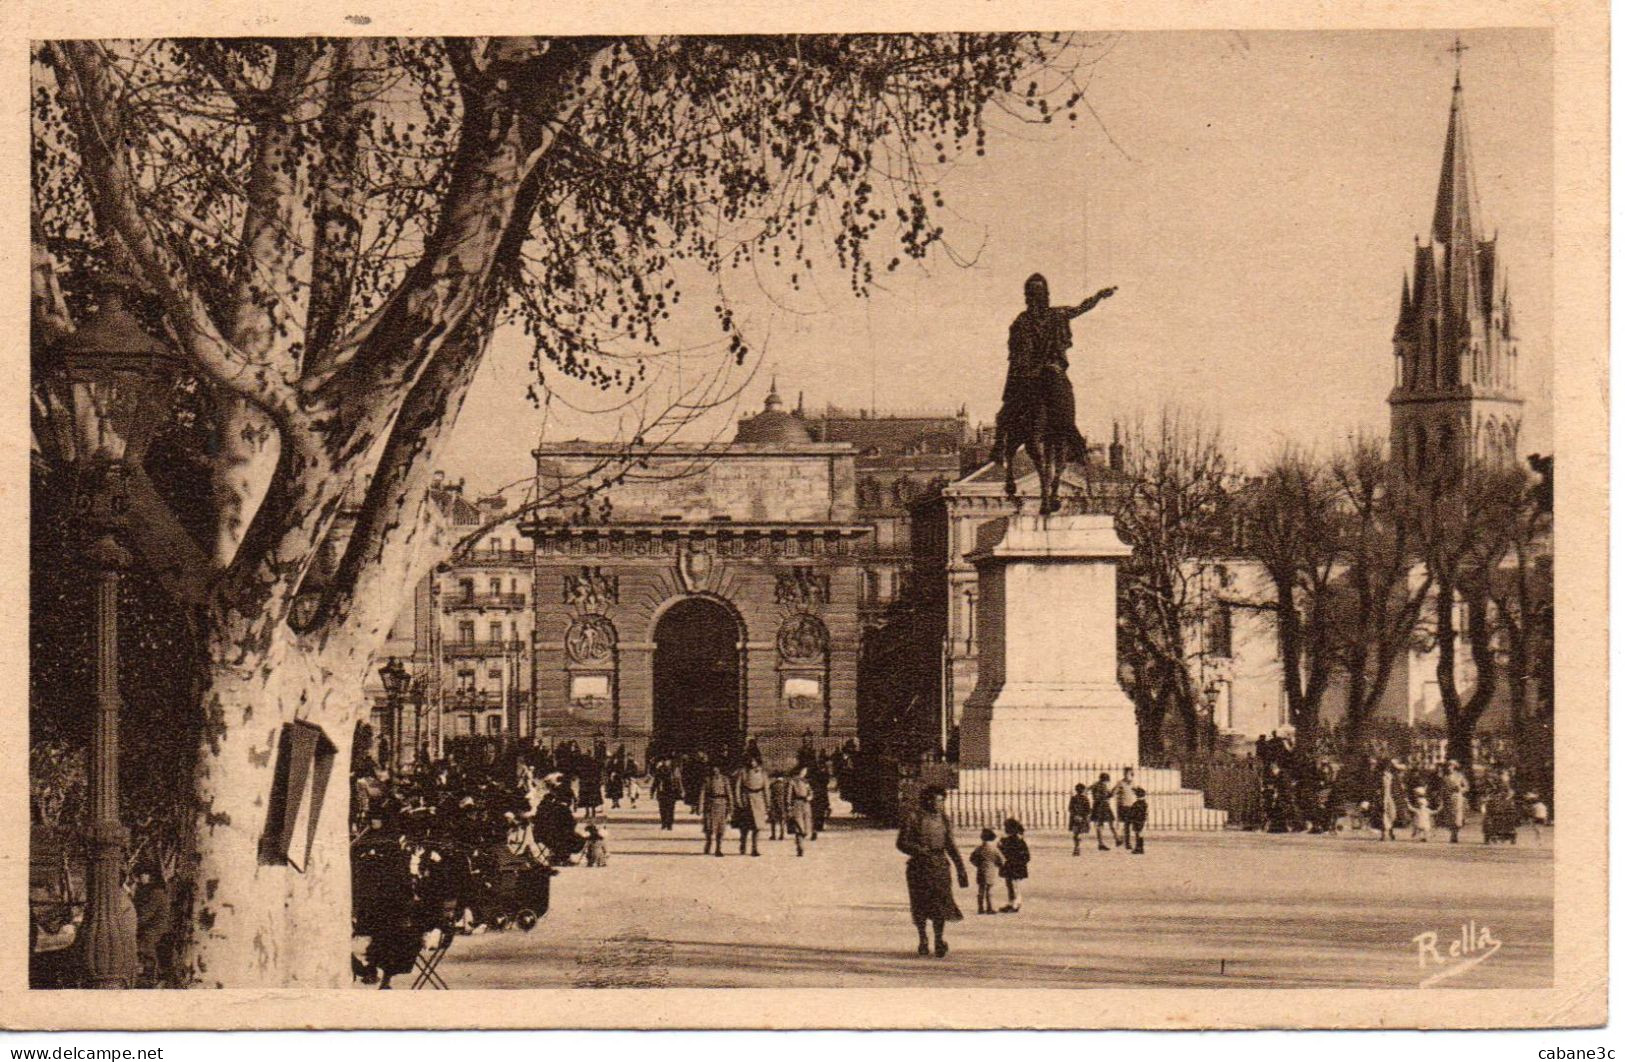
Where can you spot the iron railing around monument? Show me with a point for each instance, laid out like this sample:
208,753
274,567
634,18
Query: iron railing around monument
1035,794
1228,783
1039,795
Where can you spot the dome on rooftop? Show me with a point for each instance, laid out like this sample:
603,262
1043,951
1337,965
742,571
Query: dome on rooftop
773,424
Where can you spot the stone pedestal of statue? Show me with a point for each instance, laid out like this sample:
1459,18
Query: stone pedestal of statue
1047,690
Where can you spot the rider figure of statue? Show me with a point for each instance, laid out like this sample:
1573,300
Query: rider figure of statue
1037,387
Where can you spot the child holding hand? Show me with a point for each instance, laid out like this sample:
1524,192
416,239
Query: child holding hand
1013,846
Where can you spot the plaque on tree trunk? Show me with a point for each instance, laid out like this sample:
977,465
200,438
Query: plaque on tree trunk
304,763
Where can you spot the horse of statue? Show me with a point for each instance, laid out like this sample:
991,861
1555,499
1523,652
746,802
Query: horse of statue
1039,412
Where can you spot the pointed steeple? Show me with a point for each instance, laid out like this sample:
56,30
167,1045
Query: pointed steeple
1453,344
1402,326
774,403
1453,227
1453,210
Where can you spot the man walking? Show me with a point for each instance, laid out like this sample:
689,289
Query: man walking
750,803
1123,796
718,802
667,788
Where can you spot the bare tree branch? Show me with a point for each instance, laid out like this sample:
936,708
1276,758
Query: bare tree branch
93,108
218,59
499,141
356,67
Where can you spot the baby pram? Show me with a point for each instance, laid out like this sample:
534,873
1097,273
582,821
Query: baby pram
511,889
1502,816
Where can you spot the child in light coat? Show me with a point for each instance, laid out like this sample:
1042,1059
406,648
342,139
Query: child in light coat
1535,811
1421,815
987,859
597,849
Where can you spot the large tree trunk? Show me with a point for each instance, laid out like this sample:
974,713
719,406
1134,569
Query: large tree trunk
1355,715
256,921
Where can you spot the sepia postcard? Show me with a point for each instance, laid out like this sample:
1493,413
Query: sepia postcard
798,516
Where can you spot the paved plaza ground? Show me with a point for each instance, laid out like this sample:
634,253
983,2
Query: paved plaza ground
1197,910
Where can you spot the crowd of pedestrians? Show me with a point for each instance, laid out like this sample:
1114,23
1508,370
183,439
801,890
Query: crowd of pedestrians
1323,794
741,793
467,844
1104,806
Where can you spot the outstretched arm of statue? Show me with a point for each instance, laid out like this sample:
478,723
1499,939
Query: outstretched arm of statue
1088,304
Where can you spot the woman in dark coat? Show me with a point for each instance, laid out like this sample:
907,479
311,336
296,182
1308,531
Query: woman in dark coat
818,777
927,839
591,791
555,829
388,913
667,789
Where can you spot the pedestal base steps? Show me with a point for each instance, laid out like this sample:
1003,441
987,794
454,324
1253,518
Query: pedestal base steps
1038,796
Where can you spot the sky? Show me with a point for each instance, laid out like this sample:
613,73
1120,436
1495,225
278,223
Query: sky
1254,198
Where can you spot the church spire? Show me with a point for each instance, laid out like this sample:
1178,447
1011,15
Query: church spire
1454,229
1455,386
1453,210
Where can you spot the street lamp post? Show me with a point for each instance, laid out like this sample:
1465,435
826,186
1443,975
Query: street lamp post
396,681
102,391
420,697
437,684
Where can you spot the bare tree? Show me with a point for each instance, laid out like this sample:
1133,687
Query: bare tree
1380,587
1466,519
1294,533
330,232
1175,513
1522,593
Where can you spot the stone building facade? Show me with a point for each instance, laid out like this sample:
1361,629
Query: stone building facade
483,609
899,459
464,638
717,592
714,597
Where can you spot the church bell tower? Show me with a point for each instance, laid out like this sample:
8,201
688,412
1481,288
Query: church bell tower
1455,395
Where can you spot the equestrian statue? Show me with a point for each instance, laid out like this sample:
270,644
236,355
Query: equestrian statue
1038,410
